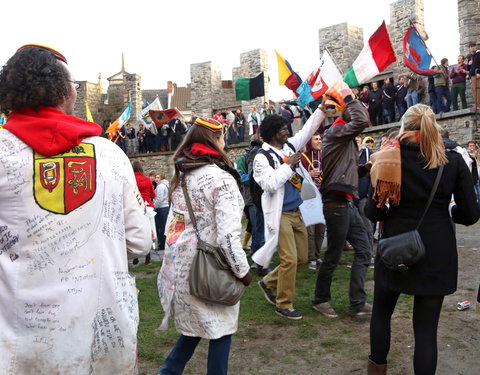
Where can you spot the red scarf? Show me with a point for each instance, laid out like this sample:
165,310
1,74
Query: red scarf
49,131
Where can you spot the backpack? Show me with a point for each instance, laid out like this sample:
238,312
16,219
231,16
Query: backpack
256,190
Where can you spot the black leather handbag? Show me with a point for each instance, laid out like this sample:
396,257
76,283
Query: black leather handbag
210,277
404,250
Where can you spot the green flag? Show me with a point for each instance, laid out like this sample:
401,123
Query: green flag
250,88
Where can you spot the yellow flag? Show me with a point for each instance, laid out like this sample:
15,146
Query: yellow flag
284,70
88,113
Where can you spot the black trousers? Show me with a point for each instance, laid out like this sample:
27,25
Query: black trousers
426,313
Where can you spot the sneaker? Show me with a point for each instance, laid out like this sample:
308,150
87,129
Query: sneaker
325,309
267,292
364,310
312,265
289,313
254,266
135,261
148,262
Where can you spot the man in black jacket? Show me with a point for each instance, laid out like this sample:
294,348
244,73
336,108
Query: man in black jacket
339,191
400,96
388,101
474,72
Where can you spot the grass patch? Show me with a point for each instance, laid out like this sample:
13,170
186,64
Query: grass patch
257,318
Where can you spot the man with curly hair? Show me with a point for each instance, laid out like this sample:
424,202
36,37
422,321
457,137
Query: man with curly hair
70,213
277,169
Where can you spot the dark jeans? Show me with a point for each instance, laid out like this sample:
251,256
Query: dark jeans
258,232
241,133
458,89
231,136
160,222
426,312
402,108
344,223
441,92
217,362
433,101
388,115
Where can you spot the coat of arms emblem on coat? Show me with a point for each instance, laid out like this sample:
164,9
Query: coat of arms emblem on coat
65,181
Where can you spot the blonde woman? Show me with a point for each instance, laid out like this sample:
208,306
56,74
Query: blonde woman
403,175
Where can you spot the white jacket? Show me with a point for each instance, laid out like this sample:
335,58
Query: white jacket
68,302
218,207
161,194
272,181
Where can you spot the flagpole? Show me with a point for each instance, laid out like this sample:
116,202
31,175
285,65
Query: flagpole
421,38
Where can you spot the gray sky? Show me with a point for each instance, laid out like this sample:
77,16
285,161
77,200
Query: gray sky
161,38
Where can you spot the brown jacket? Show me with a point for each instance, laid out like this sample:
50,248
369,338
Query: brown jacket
340,151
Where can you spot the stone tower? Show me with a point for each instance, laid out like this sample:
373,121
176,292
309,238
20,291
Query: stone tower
210,93
401,13
344,43
205,78
122,87
468,23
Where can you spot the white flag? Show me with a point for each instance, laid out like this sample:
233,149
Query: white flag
145,117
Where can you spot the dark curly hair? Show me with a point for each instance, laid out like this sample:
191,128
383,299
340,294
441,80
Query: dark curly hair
31,78
271,125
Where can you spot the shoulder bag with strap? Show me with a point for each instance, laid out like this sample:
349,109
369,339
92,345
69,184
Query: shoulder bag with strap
406,249
211,278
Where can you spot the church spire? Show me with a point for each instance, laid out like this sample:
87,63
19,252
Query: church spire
123,63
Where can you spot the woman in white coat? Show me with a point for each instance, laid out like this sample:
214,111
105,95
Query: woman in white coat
212,185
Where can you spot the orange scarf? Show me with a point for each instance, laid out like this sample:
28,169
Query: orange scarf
386,172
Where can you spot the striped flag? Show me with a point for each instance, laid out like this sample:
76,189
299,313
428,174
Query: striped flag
286,75
375,57
119,122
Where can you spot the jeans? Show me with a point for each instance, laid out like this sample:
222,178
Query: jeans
432,95
241,133
217,362
344,223
160,222
458,89
441,92
412,98
388,115
258,236
402,108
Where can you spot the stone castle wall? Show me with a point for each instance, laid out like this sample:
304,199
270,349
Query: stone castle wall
344,43
162,162
207,94
468,23
401,13
463,127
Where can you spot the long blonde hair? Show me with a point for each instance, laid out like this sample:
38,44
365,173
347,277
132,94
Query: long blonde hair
421,117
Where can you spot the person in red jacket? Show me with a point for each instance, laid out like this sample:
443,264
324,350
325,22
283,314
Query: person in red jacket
145,187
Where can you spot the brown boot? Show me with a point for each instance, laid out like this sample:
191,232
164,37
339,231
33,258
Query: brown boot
374,369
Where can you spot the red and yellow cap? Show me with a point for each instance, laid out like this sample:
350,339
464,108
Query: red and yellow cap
209,123
57,54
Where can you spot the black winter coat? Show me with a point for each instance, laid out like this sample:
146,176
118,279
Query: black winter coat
436,274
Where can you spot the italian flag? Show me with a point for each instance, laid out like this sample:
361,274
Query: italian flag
375,57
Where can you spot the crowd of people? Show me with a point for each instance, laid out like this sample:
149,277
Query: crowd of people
385,100
75,208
